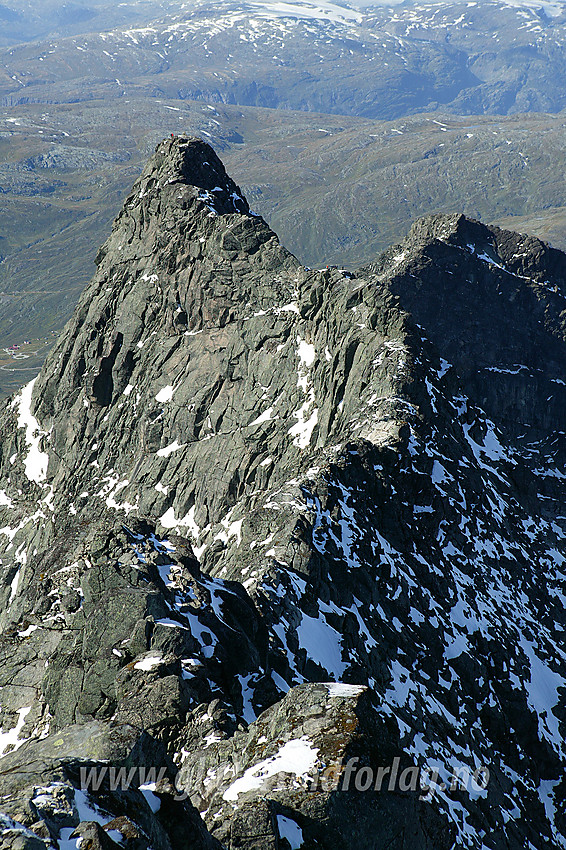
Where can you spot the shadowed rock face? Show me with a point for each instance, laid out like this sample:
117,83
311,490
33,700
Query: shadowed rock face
236,481
500,321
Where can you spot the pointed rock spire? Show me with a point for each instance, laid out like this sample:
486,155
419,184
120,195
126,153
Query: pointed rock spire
188,161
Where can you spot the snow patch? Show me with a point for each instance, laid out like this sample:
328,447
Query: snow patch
322,643
297,757
35,464
148,663
166,394
172,447
9,740
291,831
264,417
339,689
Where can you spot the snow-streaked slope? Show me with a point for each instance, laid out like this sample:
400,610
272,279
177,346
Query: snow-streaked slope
396,550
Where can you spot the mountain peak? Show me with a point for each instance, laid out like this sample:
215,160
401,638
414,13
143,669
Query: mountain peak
454,228
277,517
189,161
526,256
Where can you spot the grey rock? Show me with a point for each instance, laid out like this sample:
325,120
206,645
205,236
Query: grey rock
15,836
93,836
245,783
97,768
236,480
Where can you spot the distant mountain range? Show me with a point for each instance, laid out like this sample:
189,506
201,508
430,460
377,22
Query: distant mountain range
382,62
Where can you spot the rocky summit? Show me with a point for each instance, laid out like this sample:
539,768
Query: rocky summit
282,549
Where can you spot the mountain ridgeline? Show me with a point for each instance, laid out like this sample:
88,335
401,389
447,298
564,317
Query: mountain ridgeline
267,530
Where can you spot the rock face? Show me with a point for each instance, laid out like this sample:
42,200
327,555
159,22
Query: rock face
269,534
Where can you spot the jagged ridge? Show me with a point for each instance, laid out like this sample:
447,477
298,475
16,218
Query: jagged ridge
354,515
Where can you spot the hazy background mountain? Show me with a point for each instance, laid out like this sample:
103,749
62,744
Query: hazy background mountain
343,124
22,20
381,62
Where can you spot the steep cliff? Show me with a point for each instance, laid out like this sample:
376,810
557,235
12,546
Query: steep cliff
238,481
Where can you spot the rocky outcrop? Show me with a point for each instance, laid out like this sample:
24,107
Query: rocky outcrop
500,318
259,521
290,773
49,784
